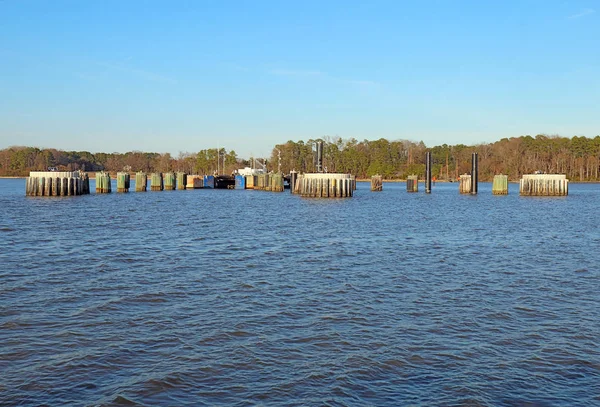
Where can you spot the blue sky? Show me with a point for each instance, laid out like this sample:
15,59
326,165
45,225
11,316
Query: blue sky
173,76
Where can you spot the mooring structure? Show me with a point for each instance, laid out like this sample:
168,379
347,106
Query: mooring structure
544,185
55,183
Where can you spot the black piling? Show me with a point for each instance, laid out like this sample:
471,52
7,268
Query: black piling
428,173
474,173
319,156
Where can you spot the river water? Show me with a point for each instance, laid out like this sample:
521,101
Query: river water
242,298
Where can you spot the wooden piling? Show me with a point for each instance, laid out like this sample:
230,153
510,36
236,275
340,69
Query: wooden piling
156,182
141,181
412,183
544,185
376,183
123,181
500,185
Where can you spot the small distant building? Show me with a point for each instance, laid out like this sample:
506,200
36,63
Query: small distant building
250,171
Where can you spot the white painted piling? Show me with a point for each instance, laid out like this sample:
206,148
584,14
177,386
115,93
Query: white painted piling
56,183
544,185
324,185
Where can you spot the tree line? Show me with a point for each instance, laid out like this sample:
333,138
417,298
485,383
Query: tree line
577,157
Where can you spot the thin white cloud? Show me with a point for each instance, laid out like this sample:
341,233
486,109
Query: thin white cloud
146,75
288,72
362,83
321,74
582,13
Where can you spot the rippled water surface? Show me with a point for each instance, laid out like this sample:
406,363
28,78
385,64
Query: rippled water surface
216,297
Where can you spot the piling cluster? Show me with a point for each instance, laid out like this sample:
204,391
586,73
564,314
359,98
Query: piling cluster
141,181
156,182
464,184
412,183
103,183
317,185
52,183
123,181
544,185
376,183
500,185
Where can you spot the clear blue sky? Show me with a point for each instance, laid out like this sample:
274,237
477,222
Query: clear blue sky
171,76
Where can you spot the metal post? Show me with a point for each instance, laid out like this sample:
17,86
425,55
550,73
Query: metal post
428,173
319,156
474,173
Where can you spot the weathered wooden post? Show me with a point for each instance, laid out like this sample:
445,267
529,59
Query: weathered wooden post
474,173
428,172
141,182
412,183
156,182
181,180
293,179
376,183
500,185
464,184
169,181
123,181
102,184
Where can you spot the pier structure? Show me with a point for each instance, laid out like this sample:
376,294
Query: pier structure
194,182
141,181
376,183
57,183
500,185
412,183
103,184
123,181
544,185
319,185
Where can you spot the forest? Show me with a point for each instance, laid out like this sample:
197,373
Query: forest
577,157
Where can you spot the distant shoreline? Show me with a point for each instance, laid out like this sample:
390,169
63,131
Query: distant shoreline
368,180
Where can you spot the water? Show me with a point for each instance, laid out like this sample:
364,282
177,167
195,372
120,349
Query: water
212,297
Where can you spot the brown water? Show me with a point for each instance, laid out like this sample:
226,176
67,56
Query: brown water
212,297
